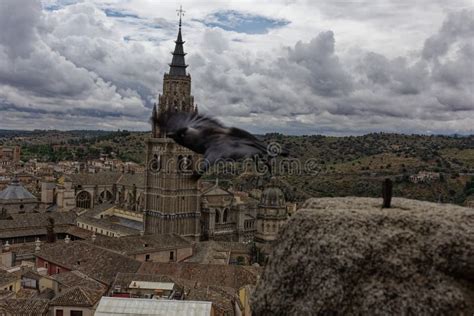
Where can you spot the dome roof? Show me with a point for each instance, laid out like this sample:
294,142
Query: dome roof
272,196
15,191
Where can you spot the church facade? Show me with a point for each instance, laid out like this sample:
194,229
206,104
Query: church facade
172,195
175,201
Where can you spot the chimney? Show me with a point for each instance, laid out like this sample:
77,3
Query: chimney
93,237
38,245
50,234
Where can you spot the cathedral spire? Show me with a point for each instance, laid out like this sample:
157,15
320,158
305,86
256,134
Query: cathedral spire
178,65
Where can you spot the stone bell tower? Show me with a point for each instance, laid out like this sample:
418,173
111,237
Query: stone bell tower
172,196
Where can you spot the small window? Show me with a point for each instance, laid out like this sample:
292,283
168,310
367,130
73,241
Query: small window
147,257
171,255
59,312
76,313
10,288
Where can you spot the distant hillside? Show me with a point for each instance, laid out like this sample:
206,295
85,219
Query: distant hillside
353,165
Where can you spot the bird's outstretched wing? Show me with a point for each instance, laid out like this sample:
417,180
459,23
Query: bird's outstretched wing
234,144
171,122
208,136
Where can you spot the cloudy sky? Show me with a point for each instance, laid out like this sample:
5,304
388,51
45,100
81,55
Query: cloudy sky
290,66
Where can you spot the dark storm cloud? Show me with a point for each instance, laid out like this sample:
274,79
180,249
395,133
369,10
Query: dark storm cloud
18,31
51,67
398,74
319,66
458,25
367,92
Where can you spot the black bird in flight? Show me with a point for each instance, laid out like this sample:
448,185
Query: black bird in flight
207,136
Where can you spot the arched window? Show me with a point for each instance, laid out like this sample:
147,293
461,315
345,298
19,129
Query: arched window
225,215
83,199
185,163
217,217
105,196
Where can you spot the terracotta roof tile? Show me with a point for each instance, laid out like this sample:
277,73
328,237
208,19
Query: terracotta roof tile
25,307
210,274
97,263
141,244
77,296
76,278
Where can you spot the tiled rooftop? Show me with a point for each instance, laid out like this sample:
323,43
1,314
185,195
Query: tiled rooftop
129,179
15,191
207,274
6,277
34,223
77,297
216,252
97,210
123,280
106,223
141,244
25,307
95,262
76,278
221,300
220,296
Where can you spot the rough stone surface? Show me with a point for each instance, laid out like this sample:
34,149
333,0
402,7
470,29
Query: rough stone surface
348,256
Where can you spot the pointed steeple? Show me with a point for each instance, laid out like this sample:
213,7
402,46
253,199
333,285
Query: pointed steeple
178,65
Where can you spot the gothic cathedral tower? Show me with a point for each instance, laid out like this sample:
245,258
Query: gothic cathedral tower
172,196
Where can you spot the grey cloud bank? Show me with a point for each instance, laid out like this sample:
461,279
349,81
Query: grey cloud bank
73,68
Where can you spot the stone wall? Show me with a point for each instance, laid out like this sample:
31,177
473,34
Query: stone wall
349,256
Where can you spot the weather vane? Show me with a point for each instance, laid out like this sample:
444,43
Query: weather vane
180,14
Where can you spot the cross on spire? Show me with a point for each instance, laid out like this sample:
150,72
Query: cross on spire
180,14
178,66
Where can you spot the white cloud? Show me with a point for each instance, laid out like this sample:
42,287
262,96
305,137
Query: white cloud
353,67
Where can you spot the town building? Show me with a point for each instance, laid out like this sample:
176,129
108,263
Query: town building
70,279
172,196
140,306
15,199
29,227
175,201
75,301
95,262
272,215
425,177
27,307
156,248
9,155
9,281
